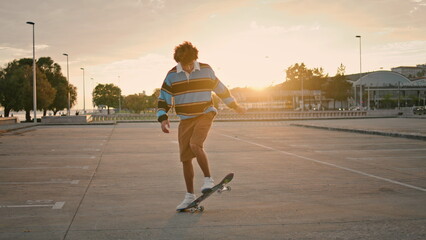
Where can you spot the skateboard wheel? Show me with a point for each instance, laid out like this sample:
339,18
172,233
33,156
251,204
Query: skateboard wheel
228,188
201,208
192,210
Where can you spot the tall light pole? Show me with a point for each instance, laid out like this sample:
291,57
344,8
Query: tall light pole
34,75
360,71
84,94
303,98
68,87
119,98
93,89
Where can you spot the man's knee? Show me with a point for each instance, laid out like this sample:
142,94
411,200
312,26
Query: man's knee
195,148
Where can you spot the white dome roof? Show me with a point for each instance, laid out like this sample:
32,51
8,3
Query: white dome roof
383,79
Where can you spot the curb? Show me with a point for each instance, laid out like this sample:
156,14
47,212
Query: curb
363,131
5,130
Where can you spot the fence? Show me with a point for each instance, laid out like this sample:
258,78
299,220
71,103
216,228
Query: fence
251,116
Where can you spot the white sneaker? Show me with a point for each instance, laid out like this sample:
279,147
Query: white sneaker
189,198
208,184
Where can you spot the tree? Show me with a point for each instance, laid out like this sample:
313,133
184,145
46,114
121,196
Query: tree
59,82
313,79
338,88
136,102
11,81
106,94
45,92
141,102
16,87
318,79
153,99
295,75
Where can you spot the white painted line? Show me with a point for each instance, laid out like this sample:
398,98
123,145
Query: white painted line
57,205
375,150
384,157
36,183
175,142
91,149
43,168
52,181
82,150
330,164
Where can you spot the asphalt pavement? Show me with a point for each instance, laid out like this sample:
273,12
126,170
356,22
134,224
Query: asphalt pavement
124,181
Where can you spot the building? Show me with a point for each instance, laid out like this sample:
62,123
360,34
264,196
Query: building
388,89
411,72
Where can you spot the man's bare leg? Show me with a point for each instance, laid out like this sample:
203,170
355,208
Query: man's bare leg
188,173
201,159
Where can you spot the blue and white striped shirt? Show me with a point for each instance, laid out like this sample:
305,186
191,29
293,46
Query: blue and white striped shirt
192,92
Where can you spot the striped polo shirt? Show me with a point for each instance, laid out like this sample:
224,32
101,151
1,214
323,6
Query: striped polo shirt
192,93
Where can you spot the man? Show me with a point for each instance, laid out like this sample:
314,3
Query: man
191,83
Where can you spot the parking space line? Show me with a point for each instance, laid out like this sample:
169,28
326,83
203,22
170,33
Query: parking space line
43,168
56,206
329,164
53,181
374,150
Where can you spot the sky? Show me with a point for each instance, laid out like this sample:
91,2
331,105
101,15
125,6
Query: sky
248,43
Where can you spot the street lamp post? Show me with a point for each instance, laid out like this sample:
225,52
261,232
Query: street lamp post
303,98
93,89
34,76
68,87
119,98
360,71
84,94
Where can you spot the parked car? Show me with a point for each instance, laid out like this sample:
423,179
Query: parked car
419,110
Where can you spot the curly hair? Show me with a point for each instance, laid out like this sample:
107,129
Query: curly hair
185,53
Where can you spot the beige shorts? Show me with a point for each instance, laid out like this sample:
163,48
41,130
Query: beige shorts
193,131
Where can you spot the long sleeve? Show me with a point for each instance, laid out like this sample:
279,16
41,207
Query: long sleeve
224,94
164,100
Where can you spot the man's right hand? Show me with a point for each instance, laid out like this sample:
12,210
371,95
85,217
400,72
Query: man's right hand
165,126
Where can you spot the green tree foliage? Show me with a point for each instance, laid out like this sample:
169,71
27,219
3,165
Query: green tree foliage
298,74
59,82
45,92
11,82
137,103
16,87
338,88
153,100
106,94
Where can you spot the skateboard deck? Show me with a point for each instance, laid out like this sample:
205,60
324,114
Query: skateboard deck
221,187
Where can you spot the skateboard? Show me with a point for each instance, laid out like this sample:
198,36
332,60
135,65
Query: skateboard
221,187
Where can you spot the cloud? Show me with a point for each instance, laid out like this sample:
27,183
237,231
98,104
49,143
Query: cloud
8,54
41,47
281,29
157,4
134,75
404,48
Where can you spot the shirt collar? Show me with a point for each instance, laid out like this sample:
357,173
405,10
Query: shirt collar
180,69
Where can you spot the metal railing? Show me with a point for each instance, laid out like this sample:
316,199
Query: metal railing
250,116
